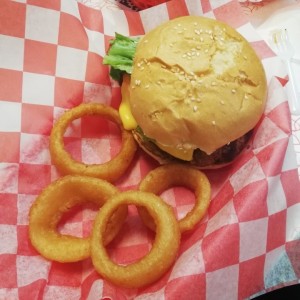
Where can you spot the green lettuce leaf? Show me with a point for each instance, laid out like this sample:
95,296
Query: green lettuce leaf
120,55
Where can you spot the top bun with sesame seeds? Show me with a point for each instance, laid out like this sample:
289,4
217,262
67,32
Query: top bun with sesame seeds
197,90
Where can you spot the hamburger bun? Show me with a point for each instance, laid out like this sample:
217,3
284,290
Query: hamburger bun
197,86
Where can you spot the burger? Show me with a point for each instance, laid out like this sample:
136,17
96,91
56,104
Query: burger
193,89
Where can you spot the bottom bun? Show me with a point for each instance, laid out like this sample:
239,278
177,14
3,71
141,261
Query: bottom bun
219,158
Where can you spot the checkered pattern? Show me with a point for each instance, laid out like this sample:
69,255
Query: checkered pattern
50,60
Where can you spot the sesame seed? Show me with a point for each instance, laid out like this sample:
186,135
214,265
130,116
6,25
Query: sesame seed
184,55
147,86
246,97
213,83
222,102
195,23
245,57
213,122
197,31
233,91
137,82
145,41
206,50
197,53
195,108
201,39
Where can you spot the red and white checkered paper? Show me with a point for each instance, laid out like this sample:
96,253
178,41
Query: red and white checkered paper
51,55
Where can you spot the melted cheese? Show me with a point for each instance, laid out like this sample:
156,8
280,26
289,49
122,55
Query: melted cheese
126,116
184,154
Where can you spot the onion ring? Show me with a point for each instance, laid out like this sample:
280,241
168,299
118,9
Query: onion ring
162,254
111,170
167,176
56,199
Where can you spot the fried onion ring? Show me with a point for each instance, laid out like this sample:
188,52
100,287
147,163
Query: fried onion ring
56,199
167,176
111,170
162,254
